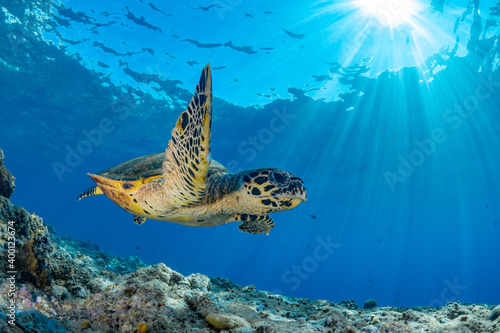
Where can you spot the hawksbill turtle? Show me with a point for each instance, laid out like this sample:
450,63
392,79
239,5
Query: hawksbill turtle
184,185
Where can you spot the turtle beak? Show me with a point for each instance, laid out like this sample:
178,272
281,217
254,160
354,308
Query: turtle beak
299,189
302,198
301,194
297,201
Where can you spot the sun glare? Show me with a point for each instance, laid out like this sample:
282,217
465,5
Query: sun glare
390,13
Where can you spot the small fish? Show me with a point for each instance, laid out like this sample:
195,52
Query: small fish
312,216
294,35
137,247
109,268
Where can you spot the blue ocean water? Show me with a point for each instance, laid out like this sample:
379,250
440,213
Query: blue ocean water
389,112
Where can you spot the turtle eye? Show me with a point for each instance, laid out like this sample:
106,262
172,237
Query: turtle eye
279,178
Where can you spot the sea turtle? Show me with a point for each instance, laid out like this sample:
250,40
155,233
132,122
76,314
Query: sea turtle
184,185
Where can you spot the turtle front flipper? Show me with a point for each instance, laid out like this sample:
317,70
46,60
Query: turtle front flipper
255,224
187,157
139,219
94,190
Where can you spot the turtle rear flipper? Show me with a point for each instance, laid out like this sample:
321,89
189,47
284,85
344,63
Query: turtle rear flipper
94,190
255,224
187,157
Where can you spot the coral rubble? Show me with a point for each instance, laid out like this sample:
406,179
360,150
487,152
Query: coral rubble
67,285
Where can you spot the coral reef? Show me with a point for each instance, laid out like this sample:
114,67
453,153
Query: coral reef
33,243
370,304
67,285
7,184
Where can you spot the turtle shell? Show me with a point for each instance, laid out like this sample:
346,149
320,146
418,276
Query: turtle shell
140,167
147,166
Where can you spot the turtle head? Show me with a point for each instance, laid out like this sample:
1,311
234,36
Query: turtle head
272,190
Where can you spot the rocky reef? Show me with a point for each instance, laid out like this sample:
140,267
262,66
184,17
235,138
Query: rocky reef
61,284
7,184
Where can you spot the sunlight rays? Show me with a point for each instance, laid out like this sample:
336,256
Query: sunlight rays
385,34
390,13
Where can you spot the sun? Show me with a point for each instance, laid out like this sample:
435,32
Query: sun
391,13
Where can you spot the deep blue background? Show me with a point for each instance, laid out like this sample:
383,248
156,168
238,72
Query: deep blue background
426,240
